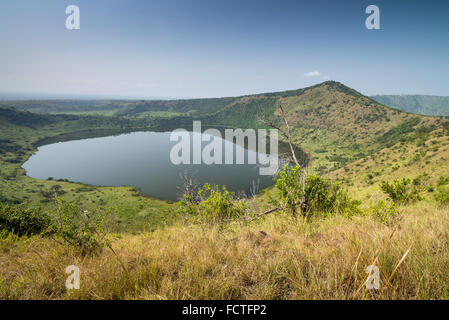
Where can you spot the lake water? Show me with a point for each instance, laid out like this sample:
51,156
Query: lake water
141,160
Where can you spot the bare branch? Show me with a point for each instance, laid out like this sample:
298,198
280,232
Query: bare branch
286,135
289,136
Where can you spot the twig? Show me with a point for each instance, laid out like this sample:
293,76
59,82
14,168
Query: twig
274,210
289,136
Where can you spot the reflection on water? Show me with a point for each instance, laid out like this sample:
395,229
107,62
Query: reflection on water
141,160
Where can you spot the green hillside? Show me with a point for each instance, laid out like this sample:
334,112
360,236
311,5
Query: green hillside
103,107
419,104
332,122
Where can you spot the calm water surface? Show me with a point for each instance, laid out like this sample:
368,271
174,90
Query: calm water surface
139,159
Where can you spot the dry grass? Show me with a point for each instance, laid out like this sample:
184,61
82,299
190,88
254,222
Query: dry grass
322,259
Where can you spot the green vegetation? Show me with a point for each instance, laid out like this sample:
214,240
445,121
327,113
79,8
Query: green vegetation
22,221
99,107
20,134
387,213
442,196
401,191
213,205
79,228
311,194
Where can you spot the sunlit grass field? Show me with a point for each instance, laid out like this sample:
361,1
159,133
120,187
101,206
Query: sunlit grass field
277,257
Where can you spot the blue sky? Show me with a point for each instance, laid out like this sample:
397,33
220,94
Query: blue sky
222,48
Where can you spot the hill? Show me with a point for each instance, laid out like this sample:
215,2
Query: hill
331,121
419,104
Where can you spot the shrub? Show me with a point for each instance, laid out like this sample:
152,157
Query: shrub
443,181
401,191
290,183
442,197
78,228
417,181
386,213
317,194
324,195
213,205
22,221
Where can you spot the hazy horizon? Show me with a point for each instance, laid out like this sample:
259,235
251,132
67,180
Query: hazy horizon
5,96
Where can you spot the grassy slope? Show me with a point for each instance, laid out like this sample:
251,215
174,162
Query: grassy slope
322,259
132,211
424,157
332,122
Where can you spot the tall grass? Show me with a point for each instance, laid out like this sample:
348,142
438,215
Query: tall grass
278,257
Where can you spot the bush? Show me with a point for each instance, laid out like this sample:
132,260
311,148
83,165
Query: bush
442,197
324,195
22,221
386,213
213,205
290,183
317,194
86,232
401,191
443,181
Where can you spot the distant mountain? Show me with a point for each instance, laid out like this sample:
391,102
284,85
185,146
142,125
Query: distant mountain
419,104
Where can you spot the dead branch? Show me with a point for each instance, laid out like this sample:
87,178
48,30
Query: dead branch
287,135
274,210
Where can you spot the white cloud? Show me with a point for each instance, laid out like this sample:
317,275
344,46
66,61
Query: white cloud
312,74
